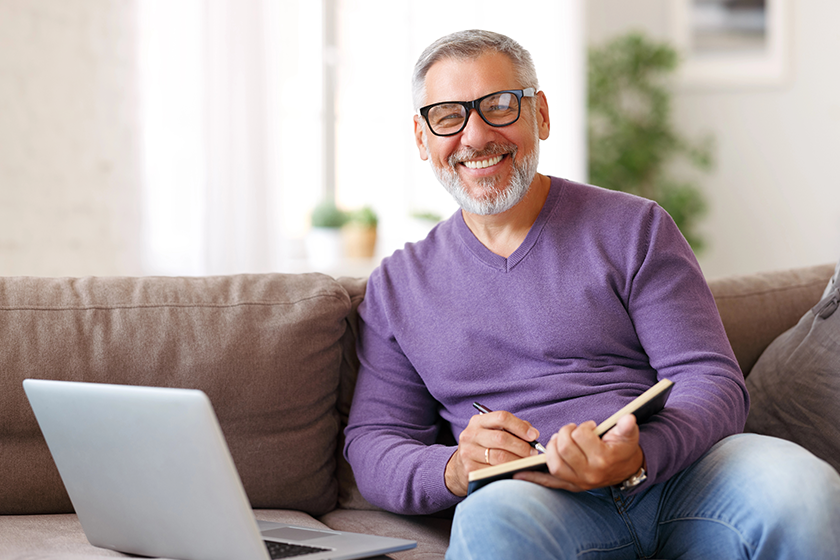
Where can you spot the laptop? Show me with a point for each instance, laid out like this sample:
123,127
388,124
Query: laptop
149,473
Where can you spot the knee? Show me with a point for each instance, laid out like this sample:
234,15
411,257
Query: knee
769,494
483,518
782,468
504,501
796,500
502,520
804,487
784,483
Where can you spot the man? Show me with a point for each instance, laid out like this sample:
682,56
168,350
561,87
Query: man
555,304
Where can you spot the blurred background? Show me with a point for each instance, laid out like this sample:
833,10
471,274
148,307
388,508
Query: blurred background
192,137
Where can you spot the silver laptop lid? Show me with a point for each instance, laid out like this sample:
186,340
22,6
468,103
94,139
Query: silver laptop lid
147,469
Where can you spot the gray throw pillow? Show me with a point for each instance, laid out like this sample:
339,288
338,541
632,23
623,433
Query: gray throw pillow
833,282
795,385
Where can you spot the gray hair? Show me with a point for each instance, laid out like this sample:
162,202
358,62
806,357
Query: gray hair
468,45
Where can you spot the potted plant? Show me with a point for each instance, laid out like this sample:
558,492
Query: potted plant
323,242
328,216
632,142
360,233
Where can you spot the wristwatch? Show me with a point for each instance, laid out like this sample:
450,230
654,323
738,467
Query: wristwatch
634,480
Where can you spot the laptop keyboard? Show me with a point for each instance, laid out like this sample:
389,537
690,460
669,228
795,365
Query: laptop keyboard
288,550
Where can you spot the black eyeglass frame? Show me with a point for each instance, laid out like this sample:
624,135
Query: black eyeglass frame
476,104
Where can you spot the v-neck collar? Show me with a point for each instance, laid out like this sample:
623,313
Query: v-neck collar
498,262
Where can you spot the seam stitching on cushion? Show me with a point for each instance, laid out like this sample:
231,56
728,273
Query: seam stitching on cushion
772,290
165,305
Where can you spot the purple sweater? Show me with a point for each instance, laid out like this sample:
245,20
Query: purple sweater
602,299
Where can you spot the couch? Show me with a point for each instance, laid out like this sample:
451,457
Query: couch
275,354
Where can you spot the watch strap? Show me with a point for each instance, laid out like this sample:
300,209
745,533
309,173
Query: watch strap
634,480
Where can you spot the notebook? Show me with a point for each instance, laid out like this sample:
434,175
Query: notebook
149,473
642,407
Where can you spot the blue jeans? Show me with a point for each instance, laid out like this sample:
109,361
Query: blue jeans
750,496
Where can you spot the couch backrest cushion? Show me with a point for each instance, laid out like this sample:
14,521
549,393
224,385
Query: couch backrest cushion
265,348
757,308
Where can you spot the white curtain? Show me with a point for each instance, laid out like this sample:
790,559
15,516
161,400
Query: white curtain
224,131
238,140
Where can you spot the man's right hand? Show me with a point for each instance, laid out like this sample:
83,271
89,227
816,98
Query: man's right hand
489,439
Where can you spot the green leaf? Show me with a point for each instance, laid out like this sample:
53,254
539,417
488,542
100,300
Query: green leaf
632,141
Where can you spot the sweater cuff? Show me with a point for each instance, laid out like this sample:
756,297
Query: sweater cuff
431,475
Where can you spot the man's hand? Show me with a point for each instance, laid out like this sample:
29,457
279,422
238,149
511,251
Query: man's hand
489,439
579,460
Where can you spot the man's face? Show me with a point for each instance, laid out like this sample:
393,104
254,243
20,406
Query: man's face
487,169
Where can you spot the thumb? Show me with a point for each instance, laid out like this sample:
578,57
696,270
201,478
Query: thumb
625,429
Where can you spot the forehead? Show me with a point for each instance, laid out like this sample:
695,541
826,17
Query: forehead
456,79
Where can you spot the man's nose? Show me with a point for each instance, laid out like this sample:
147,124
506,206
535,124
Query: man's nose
477,133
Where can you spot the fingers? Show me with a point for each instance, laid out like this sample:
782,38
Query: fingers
505,435
505,421
577,456
489,439
566,459
625,429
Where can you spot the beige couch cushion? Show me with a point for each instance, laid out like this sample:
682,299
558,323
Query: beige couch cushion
60,537
265,348
756,308
431,533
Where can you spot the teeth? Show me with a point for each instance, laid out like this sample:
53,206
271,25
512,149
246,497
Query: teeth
484,163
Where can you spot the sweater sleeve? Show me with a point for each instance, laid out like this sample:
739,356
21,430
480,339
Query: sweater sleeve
679,327
394,421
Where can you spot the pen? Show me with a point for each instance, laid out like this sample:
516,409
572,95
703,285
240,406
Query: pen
484,410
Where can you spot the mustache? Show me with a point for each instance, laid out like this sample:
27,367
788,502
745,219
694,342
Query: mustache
490,150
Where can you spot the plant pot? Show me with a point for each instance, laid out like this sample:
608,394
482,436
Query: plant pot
359,241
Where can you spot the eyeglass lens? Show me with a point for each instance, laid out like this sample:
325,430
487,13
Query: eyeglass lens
498,109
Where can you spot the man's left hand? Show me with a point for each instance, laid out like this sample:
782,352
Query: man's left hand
579,460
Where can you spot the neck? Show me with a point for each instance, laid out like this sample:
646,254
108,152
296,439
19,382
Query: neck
504,233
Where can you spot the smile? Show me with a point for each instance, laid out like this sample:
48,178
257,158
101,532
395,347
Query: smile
481,164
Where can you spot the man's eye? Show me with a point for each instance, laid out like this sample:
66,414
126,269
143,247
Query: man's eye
499,103
446,116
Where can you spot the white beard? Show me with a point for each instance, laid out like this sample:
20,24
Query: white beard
495,198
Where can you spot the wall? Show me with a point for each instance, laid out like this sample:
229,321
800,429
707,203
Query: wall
774,194
69,181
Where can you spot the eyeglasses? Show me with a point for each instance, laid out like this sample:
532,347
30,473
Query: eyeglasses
497,109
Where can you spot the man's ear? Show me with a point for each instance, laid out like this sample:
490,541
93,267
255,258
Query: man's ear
543,121
419,132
